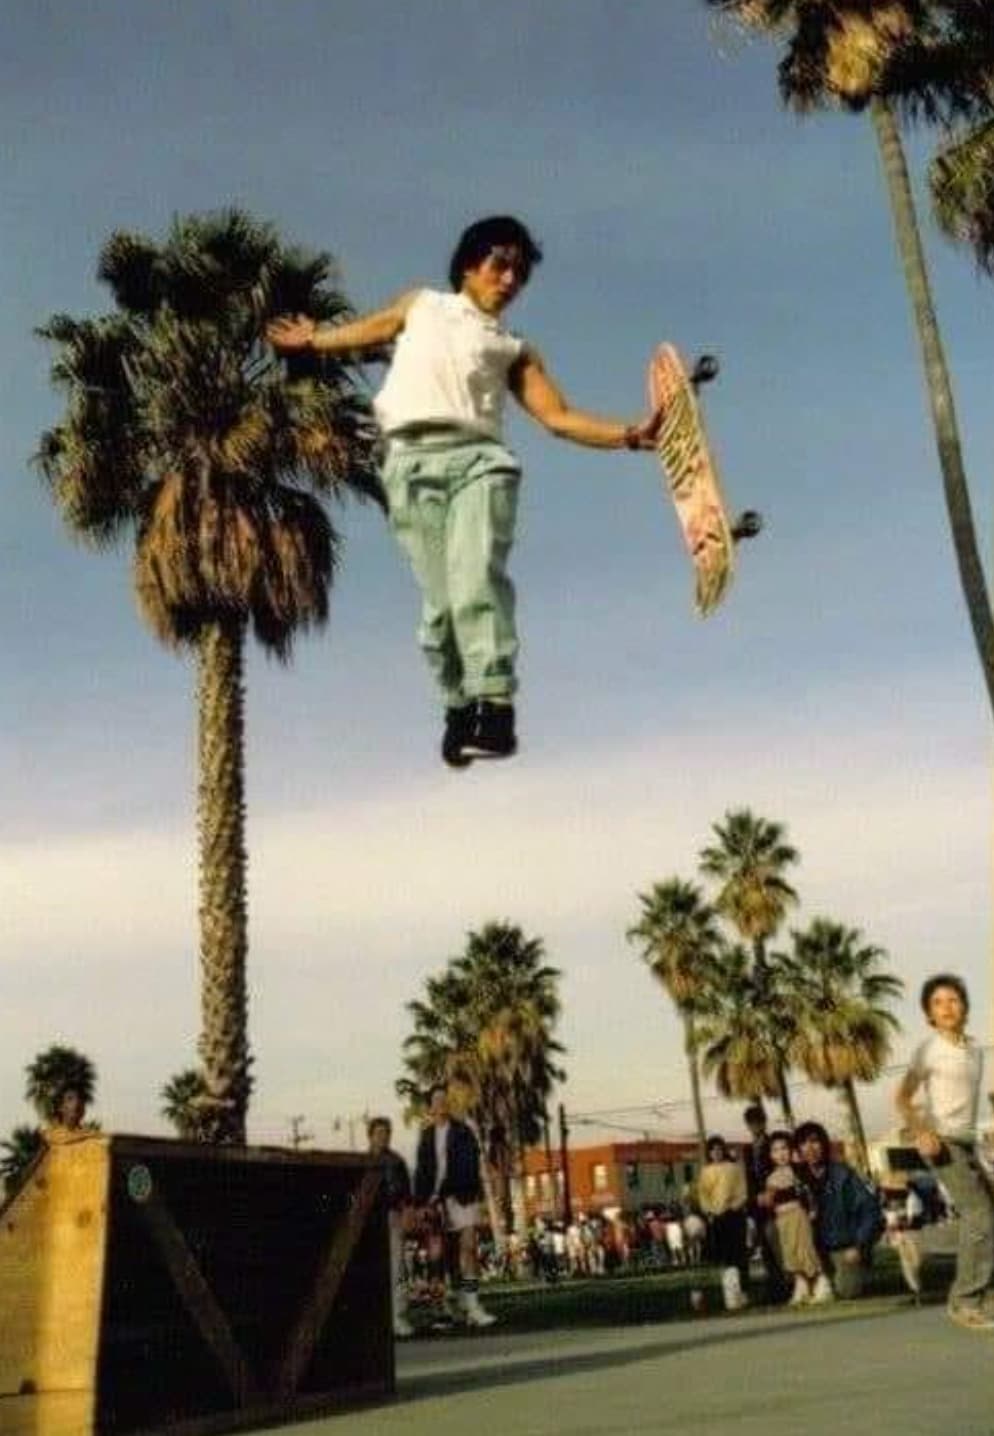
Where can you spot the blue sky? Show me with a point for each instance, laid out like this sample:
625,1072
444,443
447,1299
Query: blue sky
837,690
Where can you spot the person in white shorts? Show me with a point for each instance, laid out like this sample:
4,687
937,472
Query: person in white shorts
946,1069
451,483
447,1172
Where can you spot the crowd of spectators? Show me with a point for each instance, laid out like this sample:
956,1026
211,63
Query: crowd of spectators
784,1205
782,1213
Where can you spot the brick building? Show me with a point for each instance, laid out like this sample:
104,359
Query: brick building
625,1175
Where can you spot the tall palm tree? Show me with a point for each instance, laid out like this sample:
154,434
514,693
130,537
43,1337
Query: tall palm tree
444,1046
485,1027
844,1021
52,1072
749,862
880,55
184,432
20,1151
183,1103
741,1035
680,942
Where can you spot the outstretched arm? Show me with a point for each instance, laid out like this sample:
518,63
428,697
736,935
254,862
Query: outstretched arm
540,397
292,334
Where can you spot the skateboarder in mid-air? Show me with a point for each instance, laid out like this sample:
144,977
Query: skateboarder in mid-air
451,484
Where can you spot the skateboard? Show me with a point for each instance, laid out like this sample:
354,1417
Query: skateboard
692,477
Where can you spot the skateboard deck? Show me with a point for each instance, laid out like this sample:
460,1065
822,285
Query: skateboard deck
692,478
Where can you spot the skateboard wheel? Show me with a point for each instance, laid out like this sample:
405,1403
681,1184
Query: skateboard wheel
706,369
747,525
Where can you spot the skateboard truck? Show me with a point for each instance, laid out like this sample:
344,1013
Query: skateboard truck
749,523
706,369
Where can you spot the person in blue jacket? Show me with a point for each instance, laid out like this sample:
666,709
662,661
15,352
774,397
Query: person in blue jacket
848,1218
447,1174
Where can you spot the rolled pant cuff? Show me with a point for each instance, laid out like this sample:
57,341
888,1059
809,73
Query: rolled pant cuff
501,690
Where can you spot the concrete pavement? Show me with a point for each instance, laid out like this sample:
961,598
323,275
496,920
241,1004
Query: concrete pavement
853,1370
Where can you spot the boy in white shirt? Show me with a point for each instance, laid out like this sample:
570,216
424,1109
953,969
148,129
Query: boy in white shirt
451,484
947,1069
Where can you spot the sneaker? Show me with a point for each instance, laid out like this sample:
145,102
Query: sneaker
459,727
802,1292
402,1328
822,1291
973,1318
475,1314
494,735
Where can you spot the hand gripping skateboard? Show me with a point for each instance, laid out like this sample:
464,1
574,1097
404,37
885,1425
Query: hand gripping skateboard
692,477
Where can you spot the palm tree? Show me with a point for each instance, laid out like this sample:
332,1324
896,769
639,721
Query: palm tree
962,182
741,1035
680,942
183,431
844,1022
52,1072
21,1150
485,1028
749,861
879,55
183,1103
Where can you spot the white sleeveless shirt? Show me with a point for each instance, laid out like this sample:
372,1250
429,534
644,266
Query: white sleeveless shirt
450,366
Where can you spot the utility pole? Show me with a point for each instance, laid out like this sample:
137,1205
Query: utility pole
564,1160
297,1135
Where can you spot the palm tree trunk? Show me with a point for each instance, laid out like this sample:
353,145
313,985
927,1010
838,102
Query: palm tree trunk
547,1137
493,1209
783,1095
940,392
856,1127
519,1215
223,905
761,974
690,1048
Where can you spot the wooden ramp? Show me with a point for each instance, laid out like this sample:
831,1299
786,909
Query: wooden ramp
149,1286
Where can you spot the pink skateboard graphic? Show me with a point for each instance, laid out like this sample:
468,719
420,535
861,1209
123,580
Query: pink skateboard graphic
692,477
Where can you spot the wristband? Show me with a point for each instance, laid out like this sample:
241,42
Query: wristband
631,437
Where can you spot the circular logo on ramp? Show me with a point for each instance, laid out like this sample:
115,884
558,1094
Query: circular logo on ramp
139,1183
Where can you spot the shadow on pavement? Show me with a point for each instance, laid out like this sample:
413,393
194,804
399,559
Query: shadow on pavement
489,1375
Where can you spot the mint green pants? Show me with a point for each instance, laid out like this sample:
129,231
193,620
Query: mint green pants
453,503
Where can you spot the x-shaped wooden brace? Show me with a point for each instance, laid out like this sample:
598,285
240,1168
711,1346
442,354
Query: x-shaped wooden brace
213,1324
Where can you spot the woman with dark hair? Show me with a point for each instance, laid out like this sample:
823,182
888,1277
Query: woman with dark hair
789,1200
451,483
723,1198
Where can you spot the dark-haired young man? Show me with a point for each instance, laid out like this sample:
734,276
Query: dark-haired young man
451,484
848,1218
447,1176
947,1068
397,1184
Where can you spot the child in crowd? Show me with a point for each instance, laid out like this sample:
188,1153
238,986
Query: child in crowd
947,1069
785,1195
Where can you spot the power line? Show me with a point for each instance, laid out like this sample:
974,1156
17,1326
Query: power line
661,1108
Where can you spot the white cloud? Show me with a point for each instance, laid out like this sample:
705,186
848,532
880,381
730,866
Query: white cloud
352,905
